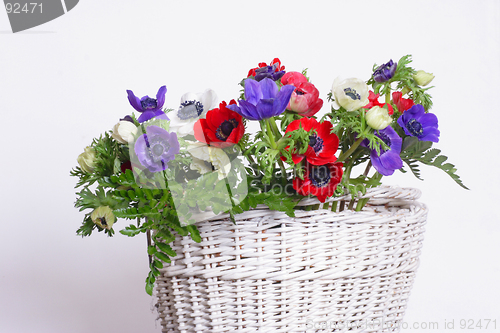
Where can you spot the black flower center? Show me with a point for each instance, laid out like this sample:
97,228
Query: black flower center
320,175
190,109
316,143
157,147
157,150
414,127
352,93
149,103
225,129
387,140
299,92
103,221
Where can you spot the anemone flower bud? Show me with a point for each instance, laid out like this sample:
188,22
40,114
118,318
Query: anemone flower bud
103,216
385,72
86,160
124,131
378,118
423,78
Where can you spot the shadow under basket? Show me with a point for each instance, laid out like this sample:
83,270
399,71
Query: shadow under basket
320,271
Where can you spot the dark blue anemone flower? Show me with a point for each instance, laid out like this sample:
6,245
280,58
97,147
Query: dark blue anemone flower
149,107
389,160
268,72
263,99
415,122
385,72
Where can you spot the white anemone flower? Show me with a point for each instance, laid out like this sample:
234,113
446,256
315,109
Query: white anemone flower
351,94
124,131
193,107
219,159
200,165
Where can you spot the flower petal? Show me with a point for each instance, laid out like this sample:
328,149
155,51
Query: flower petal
160,96
430,134
134,101
253,92
189,96
265,108
246,109
282,99
209,100
147,115
269,88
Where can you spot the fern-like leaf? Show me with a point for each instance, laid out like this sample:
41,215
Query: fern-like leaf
421,151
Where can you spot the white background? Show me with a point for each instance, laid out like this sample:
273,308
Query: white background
63,83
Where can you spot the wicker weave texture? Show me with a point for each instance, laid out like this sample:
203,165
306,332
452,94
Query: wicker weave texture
318,272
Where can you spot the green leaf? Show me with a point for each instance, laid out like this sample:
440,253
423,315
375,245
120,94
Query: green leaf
195,233
166,248
127,213
150,283
420,151
163,257
152,250
284,204
131,231
131,194
157,264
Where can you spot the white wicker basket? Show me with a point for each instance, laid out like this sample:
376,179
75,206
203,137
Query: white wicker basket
318,272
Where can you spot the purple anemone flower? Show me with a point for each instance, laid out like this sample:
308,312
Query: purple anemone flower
385,72
388,160
415,122
268,72
149,107
263,99
155,148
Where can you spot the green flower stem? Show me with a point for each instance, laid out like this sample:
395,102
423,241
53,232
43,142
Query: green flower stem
334,206
148,236
342,206
326,205
274,146
277,132
368,167
250,159
361,204
270,135
351,204
348,153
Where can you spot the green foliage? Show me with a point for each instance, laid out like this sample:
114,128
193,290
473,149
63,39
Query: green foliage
421,151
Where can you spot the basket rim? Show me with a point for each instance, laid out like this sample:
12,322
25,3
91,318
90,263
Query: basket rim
381,195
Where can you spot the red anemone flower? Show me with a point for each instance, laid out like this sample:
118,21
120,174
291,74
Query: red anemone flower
126,166
402,104
374,102
305,98
221,128
319,180
322,145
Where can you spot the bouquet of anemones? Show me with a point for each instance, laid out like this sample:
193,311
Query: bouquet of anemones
169,168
